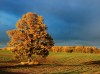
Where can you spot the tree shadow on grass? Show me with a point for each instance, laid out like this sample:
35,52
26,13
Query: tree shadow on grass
17,66
12,61
29,66
92,62
67,72
6,72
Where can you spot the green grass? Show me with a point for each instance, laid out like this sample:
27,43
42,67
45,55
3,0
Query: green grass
55,63
5,55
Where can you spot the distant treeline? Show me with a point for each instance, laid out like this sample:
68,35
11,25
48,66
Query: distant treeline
70,49
79,49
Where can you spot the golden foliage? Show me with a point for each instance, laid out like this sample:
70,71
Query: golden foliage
80,49
30,37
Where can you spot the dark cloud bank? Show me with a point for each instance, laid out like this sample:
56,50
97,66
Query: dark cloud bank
70,22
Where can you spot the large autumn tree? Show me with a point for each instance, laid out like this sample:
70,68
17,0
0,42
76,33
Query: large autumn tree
30,37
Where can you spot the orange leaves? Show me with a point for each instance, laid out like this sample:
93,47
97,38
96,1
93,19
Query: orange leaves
43,26
37,26
30,14
40,18
42,39
78,49
11,33
21,24
30,36
24,17
30,17
32,31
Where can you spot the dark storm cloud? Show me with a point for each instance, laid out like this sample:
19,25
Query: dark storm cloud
81,19
11,6
73,21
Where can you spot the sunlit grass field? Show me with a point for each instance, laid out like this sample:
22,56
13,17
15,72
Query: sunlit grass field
55,63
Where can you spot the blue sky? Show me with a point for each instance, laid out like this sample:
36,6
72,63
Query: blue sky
69,22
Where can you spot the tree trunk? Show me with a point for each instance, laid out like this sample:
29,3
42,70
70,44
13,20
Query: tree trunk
29,58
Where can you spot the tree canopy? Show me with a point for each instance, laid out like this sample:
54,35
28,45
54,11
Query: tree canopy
30,37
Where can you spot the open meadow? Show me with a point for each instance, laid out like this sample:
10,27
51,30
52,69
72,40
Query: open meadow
55,63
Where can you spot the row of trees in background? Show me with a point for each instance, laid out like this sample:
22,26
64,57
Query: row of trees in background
70,49
79,49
